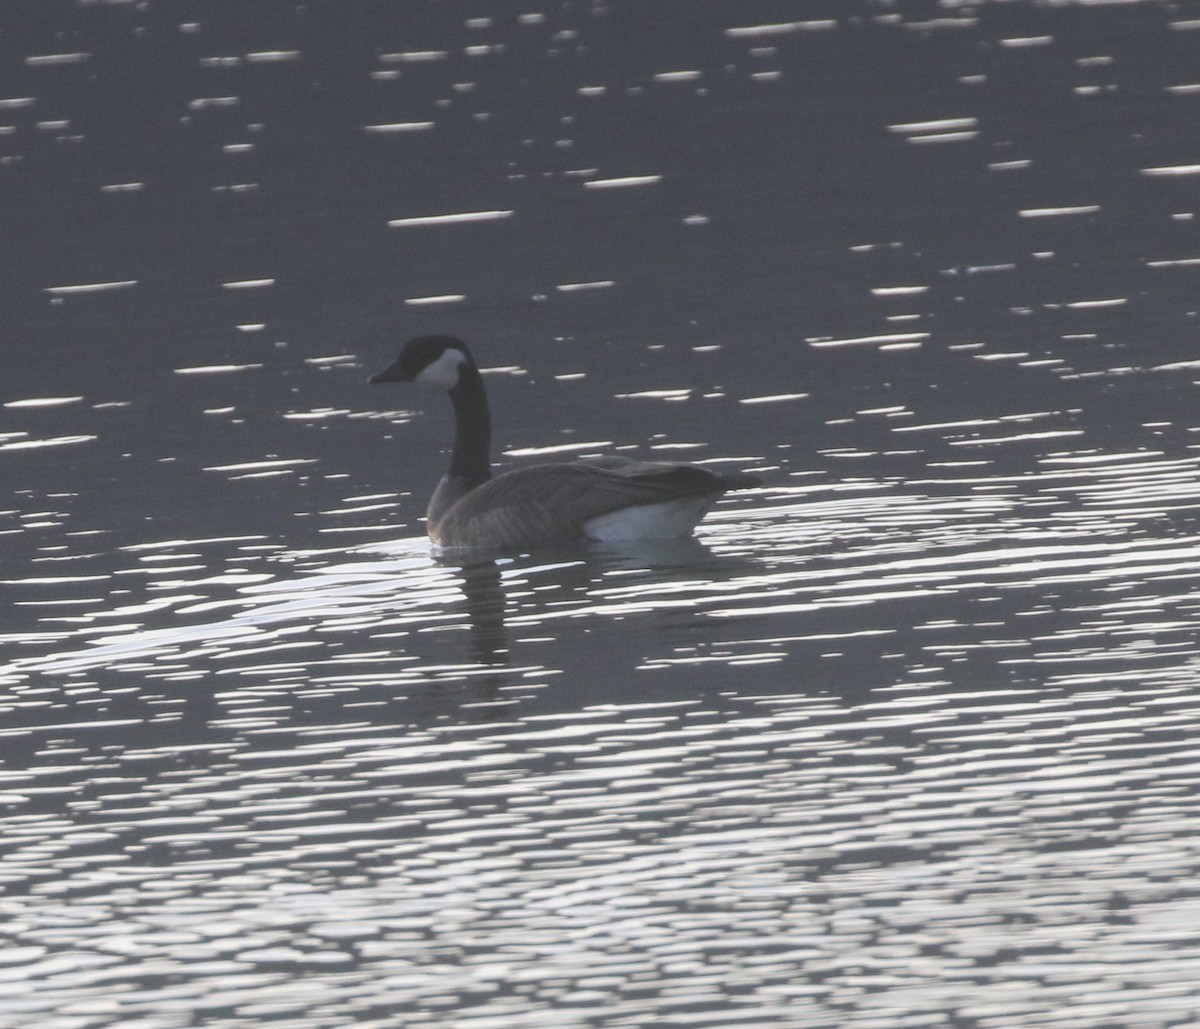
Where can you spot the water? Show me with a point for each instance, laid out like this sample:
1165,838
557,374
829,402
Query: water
904,738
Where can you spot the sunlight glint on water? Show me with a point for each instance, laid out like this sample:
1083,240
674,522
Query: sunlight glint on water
904,738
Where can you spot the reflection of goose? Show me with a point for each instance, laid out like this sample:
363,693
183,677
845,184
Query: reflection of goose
606,499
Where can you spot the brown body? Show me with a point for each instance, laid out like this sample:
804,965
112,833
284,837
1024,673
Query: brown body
609,498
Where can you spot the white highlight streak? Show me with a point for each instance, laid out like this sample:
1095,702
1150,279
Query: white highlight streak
91,287
450,219
626,180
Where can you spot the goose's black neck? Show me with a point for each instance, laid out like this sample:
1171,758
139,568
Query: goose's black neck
472,429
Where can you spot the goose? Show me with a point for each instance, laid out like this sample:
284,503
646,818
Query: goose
606,499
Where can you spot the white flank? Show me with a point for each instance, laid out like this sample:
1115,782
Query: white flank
672,519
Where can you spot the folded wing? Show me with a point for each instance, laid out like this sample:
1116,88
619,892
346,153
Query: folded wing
552,503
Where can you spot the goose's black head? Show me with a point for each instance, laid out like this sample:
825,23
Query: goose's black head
430,360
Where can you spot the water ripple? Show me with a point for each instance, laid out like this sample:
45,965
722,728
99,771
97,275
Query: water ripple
906,737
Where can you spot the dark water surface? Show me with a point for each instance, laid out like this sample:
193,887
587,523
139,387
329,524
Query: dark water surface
906,738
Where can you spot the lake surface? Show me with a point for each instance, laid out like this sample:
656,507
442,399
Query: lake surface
905,738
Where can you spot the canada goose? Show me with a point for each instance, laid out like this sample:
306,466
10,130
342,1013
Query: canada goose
608,499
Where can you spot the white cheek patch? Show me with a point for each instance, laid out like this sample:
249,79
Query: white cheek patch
443,372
